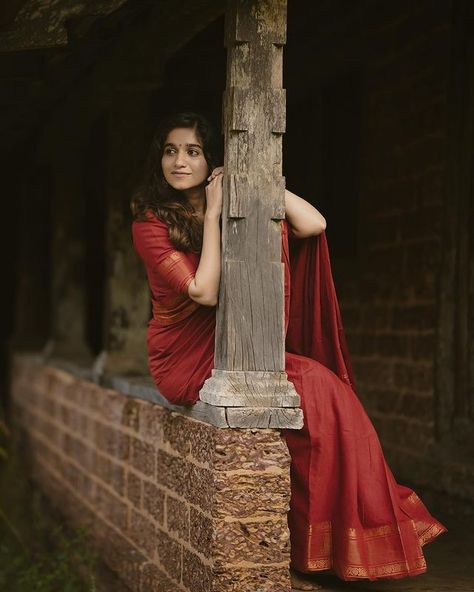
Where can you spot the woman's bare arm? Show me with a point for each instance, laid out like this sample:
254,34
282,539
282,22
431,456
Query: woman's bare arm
304,219
204,288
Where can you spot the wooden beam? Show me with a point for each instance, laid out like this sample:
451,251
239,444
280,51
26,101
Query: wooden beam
250,334
32,27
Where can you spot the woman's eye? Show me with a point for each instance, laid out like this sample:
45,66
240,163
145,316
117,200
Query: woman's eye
193,152
170,151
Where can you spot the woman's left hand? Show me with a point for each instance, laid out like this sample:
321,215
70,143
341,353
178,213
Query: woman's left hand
217,171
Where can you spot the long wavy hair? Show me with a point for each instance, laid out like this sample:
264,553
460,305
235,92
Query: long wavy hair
155,195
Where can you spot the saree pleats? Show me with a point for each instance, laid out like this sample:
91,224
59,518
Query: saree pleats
347,513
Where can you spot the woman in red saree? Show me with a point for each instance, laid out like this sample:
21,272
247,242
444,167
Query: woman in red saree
347,513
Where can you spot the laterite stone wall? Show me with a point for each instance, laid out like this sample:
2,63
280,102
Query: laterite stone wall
170,502
396,57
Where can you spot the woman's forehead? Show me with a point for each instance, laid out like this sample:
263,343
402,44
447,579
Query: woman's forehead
182,136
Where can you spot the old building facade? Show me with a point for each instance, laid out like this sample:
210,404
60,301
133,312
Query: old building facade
378,135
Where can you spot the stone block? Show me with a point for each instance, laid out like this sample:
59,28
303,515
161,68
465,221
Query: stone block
259,579
154,501
112,441
197,576
111,507
142,531
152,418
85,456
154,579
419,407
199,486
111,473
122,557
109,405
169,554
202,530
177,518
131,414
72,475
251,449
143,457
414,377
172,471
260,542
175,432
87,487
48,406
86,427
251,494
202,439
133,490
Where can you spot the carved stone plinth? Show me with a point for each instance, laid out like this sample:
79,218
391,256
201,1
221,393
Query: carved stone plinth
254,399
249,389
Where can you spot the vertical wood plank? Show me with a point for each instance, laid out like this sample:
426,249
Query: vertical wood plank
250,352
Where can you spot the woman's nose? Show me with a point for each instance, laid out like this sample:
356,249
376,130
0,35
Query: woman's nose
179,159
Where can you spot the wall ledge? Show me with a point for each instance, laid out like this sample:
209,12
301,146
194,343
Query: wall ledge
143,387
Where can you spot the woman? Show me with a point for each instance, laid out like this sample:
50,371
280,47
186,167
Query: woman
347,513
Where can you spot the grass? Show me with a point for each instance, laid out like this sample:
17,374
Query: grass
37,552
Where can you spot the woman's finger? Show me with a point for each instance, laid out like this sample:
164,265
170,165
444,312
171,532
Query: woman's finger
215,172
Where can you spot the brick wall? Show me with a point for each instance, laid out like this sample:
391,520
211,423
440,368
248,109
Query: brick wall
397,56
366,142
171,503
393,322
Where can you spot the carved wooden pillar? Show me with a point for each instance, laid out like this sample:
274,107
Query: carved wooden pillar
32,299
249,360
68,250
127,308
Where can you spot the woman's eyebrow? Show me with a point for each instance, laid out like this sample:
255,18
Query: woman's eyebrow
188,145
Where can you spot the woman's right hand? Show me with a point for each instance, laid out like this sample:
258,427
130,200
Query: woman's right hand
214,193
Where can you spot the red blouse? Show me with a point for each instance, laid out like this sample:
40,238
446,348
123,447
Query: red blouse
169,271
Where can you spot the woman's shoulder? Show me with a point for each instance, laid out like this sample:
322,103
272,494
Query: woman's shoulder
149,217
149,227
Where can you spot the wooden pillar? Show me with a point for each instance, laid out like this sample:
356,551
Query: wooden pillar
249,361
68,250
32,299
127,305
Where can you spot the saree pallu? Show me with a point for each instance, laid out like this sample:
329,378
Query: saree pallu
347,513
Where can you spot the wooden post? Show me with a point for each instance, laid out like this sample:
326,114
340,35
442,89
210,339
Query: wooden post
127,306
249,361
32,299
68,306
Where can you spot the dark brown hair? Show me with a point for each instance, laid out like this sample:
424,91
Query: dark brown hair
155,195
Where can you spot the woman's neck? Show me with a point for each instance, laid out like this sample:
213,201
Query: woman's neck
197,198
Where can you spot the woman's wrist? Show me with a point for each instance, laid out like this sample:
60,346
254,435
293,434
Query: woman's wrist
211,215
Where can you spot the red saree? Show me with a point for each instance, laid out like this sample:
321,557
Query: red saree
347,513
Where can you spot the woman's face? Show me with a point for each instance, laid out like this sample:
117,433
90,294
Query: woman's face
183,163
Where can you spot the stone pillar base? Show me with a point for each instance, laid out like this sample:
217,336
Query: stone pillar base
254,399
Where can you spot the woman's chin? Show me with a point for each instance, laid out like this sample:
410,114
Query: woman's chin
184,185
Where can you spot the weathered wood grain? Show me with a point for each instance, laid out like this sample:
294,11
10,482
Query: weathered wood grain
250,353
250,334
249,389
